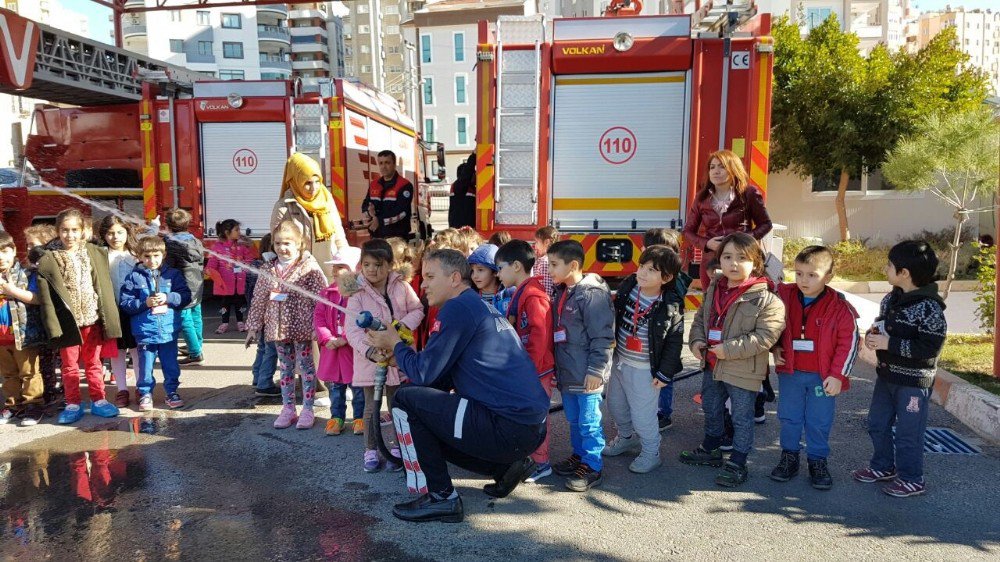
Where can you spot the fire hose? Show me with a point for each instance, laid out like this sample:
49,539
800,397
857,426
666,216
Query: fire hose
367,321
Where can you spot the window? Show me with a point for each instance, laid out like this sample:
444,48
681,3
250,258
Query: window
204,47
396,69
204,17
860,182
366,69
459,39
460,96
429,124
392,29
428,91
425,48
461,130
364,29
362,8
232,50
231,74
391,10
175,15
365,49
816,16
176,46
232,21
395,50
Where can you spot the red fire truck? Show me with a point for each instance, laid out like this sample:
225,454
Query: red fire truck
216,148
602,126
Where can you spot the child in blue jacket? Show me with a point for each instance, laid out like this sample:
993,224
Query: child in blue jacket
153,296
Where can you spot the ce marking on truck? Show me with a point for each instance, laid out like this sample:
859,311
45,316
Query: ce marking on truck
740,60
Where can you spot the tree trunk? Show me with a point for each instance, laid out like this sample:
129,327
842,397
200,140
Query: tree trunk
841,202
956,240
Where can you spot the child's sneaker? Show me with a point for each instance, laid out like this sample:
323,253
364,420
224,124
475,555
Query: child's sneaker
71,414
241,326
372,462
584,478
104,409
541,471
286,418
620,445
32,416
395,461
174,401
222,329
727,443
664,422
788,467
145,403
359,426
869,475
122,399
306,419
6,416
322,402
568,466
645,463
731,475
903,489
819,474
334,426
701,457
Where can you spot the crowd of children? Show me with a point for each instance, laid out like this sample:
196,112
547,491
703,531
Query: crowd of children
78,300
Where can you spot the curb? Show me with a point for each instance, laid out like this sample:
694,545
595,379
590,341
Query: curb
973,406
868,287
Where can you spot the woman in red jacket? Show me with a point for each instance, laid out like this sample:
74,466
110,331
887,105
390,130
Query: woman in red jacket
727,203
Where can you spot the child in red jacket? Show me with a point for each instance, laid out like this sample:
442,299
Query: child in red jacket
530,312
813,359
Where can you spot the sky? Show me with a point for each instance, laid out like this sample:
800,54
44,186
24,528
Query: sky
100,27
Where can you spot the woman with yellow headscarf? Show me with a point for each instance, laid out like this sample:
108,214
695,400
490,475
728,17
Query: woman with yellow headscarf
305,200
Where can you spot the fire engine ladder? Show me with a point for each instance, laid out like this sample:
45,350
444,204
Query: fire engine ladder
517,119
309,123
722,17
78,71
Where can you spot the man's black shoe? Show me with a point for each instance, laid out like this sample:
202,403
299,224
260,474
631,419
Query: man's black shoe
192,360
566,466
268,392
514,475
426,508
819,474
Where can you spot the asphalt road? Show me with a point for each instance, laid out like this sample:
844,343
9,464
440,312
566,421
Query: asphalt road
217,482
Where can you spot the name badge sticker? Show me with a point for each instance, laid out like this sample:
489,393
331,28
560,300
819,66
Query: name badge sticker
279,297
162,309
559,336
715,335
803,345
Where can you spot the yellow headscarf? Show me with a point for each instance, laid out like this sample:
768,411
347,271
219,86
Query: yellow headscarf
298,170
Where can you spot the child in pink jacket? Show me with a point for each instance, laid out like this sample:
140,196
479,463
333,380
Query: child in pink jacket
388,297
336,358
229,276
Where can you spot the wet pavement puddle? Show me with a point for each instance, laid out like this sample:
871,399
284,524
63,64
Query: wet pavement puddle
153,488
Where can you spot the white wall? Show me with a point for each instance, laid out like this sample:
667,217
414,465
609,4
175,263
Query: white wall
880,217
161,29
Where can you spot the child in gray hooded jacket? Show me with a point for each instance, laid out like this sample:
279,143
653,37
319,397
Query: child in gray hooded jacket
583,332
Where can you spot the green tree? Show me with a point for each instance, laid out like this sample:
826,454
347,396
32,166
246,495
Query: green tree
836,112
956,157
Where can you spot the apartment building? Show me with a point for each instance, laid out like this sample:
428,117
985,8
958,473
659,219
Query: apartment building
15,111
375,50
873,21
978,35
267,42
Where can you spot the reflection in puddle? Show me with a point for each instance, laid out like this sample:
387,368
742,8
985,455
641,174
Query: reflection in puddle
153,488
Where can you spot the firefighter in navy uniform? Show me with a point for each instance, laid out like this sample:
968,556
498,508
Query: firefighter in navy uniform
494,418
389,203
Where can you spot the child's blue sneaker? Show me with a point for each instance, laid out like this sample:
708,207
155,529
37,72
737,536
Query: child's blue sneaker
541,471
104,409
71,414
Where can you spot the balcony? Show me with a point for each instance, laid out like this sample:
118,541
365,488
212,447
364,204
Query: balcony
306,14
269,62
273,9
315,47
273,33
311,65
131,30
867,31
308,31
201,58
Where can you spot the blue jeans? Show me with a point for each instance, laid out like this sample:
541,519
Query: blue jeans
583,412
666,404
713,403
167,352
906,407
264,364
338,401
191,329
803,403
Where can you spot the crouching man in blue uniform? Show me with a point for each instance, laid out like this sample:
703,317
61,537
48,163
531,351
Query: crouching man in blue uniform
494,418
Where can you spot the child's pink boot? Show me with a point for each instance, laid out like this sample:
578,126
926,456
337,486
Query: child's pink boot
307,419
286,418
